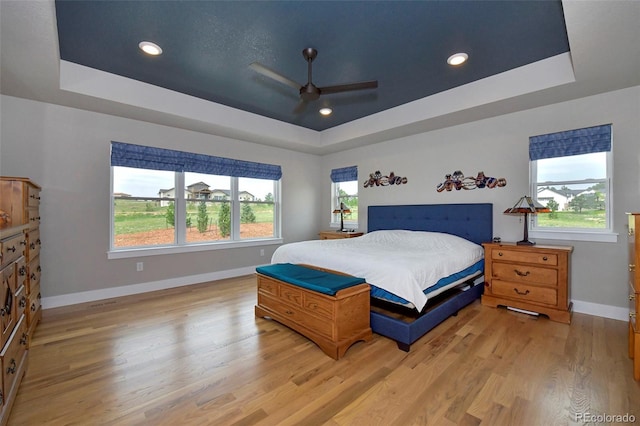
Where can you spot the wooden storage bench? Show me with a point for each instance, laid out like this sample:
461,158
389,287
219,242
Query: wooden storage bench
329,309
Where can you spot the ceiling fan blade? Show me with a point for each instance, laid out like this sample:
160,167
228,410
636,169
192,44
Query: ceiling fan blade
300,107
268,72
349,87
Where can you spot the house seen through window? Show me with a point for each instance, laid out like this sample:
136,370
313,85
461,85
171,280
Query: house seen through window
571,175
148,210
344,192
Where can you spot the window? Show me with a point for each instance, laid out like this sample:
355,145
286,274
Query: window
571,175
344,190
221,201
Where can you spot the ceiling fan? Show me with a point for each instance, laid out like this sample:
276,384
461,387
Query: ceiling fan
310,92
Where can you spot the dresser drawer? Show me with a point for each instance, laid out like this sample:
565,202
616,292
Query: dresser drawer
12,248
291,294
21,272
297,315
8,277
21,301
634,307
34,304
524,274
33,243
34,218
34,272
12,355
318,305
529,293
524,257
33,197
267,285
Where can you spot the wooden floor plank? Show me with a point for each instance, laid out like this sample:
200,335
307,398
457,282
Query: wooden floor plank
198,356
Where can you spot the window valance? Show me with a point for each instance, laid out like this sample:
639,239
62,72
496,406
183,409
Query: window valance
570,142
344,174
147,157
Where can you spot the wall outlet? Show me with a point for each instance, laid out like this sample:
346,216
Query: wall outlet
139,266
261,252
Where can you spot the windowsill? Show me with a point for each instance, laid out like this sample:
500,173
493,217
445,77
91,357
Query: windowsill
154,251
601,237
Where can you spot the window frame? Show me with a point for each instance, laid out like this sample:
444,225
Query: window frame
336,199
575,234
180,245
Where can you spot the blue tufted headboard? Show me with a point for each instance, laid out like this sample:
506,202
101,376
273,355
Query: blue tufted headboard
473,222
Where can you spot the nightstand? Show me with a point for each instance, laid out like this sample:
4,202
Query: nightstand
534,278
335,235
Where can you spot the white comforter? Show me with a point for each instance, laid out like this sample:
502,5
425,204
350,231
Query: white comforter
404,263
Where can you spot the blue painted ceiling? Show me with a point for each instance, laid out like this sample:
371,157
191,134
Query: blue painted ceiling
209,45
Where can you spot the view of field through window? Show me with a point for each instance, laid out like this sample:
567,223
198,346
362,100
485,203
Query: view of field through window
145,208
575,189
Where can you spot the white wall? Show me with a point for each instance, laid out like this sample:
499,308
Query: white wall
67,152
499,147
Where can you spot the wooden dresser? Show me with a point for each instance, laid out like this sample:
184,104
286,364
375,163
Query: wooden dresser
533,278
335,235
634,292
20,308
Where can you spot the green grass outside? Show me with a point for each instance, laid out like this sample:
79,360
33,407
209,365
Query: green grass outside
594,219
133,216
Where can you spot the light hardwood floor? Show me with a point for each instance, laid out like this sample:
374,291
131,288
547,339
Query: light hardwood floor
197,355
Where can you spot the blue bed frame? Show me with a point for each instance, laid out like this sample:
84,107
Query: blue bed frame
473,222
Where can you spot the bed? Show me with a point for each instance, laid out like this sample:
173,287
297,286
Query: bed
406,313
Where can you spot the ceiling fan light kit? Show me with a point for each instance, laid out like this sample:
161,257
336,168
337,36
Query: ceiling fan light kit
310,92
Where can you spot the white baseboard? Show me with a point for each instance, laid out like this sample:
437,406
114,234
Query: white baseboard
598,310
108,293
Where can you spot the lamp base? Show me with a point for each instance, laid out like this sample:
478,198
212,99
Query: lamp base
525,243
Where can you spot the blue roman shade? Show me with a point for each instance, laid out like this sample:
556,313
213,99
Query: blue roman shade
345,174
570,142
147,157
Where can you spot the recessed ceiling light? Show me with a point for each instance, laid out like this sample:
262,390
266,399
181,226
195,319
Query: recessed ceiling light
150,48
325,111
457,59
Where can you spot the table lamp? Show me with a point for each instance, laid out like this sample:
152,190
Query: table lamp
342,210
526,205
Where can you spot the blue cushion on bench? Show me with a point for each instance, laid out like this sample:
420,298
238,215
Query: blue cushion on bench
312,279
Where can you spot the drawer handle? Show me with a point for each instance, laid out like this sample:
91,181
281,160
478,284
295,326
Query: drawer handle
23,302
632,296
33,307
22,271
11,369
545,258
632,267
499,253
12,249
521,293
520,273
288,312
23,339
632,314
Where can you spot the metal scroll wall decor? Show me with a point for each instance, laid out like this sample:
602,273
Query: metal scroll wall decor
376,179
458,181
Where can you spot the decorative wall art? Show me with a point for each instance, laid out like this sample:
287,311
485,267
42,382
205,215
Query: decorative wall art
376,179
457,181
